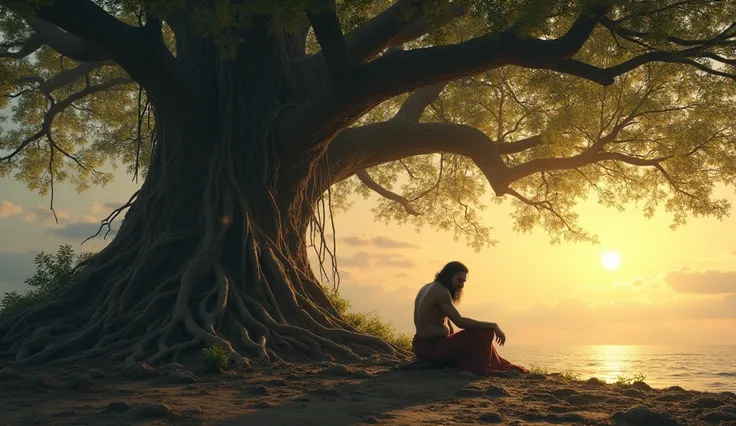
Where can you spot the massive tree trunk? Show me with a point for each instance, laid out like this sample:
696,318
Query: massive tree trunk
212,250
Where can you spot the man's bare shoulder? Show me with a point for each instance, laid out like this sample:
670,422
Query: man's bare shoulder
436,291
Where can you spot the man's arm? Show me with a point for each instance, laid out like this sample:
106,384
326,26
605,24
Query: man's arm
444,301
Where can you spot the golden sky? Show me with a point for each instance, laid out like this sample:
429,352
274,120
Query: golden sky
673,287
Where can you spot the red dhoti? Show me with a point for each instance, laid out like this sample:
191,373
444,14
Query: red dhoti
467,350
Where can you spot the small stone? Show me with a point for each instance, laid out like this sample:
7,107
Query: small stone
718,416
495,391
641,385
672,397
370,420
83,382
563,392
149,411
139,370
466,374
9,374
673,389
262,404
338,370
328,358
594,381
469,391
261,390
707,402
491,417
277,382
117,407
362,373
643,416
181,377
192,412
536,376
633,393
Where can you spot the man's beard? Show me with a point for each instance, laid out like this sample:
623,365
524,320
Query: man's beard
456,294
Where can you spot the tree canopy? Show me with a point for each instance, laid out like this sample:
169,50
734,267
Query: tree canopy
660,133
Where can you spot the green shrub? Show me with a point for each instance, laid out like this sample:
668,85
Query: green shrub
624,380
53,272
537,369
570,376
215,358
369,322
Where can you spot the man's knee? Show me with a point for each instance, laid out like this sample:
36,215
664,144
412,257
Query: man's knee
483,334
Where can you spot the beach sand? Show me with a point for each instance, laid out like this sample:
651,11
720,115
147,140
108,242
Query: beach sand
334,394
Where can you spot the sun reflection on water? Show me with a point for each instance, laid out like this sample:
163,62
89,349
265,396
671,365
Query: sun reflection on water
612,361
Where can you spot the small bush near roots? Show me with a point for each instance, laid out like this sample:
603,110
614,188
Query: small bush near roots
624,380
537,369
570,376
53,273
215,358
369,322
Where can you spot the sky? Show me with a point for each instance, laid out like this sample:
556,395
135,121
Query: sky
673,287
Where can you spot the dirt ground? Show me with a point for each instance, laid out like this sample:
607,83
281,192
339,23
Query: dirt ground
336,394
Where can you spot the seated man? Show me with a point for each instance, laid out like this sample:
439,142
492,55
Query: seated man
435,341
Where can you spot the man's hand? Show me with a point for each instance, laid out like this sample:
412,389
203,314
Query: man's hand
500,336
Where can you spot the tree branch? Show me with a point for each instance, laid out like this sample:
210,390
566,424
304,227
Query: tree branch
65,43
58,107
326,26
405,71
145,58
386,193
414,105
359,148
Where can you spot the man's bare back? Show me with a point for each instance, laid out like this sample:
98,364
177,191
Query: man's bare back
429,319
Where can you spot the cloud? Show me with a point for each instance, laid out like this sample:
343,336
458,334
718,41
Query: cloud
362,259
378,241
356,240
44,214
387,242
8,209
702,282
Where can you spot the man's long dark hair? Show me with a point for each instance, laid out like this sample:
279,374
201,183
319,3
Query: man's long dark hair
444,277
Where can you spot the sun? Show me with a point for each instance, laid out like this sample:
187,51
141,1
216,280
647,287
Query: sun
611,260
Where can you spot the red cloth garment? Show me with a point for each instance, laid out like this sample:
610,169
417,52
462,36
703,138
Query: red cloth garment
466,350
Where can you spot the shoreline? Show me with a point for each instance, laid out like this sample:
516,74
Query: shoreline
328,393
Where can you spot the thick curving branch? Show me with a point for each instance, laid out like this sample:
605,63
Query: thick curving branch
138,50
65,43
326,25
404,71
64,78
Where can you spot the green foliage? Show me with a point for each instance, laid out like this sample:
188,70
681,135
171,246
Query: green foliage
537,369
53,273
570,376
368,322
671,111
214,358
625,380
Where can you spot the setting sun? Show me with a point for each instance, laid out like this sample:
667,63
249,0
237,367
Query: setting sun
611,260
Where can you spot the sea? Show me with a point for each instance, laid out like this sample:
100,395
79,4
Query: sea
704,368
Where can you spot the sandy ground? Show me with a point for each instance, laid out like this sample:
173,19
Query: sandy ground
335,394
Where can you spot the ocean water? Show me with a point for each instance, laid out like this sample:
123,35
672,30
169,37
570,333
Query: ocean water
704,368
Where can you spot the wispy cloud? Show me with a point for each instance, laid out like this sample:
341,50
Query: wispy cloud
382,241
702,282
43,214
8,209
362,259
